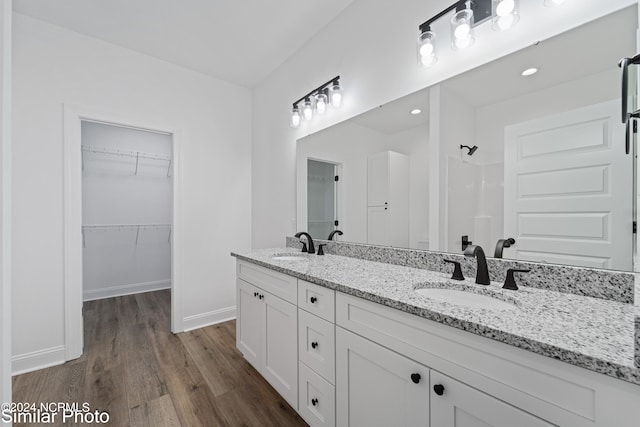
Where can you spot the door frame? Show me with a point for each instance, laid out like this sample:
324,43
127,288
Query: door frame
72,252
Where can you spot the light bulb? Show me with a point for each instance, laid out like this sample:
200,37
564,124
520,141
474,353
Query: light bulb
427,49
462,29
307,109
336,95
321,103
504,14
295,117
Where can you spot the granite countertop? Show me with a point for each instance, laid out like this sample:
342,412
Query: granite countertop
592,333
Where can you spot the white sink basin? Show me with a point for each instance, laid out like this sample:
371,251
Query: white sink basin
290,258
466,299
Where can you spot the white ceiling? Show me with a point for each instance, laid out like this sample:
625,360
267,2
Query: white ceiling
237,41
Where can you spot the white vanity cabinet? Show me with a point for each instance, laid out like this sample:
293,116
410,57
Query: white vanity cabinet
267,326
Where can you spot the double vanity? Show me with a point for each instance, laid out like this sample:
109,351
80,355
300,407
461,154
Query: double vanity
374,336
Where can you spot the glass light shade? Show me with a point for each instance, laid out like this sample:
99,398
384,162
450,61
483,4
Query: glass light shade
462,29
426,49
504,14
321,103
295,117
551,3
307,110
335,94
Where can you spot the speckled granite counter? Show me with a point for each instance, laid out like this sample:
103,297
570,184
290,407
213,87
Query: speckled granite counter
592,333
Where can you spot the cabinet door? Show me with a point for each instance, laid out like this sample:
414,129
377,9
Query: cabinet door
378,179
377,225
280,347
249,322
377,387
462,406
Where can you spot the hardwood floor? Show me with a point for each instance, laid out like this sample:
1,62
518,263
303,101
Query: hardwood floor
143,375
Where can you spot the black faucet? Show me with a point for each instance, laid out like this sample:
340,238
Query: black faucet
482,275
312,249
333,233
503,243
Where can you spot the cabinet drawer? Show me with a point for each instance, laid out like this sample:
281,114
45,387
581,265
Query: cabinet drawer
278,284
316,398
317,299
317,344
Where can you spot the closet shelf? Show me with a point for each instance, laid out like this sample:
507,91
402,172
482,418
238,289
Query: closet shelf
126,153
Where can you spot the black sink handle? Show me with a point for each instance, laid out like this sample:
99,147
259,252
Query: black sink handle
510,282
457,270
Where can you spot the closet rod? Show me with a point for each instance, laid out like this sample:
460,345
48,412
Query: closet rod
123,226
126,153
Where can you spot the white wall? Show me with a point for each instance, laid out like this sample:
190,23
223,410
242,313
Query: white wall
371,45
5,201
53,66
125,260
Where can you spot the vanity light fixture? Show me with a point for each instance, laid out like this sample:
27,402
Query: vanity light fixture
330,92
504,14
462,35
529,71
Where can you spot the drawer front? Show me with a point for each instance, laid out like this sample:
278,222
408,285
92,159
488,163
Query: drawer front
317,402
317,344
552,390
278,284
317,299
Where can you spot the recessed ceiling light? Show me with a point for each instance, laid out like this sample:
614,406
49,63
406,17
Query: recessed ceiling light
529,71
416,111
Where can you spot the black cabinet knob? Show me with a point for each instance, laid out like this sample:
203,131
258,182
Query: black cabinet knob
438,389
261,296
415,378
255,294
314,344
314,401
313,300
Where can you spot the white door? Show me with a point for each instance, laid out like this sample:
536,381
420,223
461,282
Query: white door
378,387
378,179
458,405
378,225
568,189
280,347
249,322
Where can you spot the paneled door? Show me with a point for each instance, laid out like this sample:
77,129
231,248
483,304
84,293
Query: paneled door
568,189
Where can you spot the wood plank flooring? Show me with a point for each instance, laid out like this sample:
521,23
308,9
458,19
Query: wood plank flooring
143,375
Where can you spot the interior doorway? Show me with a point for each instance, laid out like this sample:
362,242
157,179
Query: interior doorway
115,233
322,198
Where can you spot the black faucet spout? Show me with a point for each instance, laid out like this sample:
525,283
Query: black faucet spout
503,243
482,274
311,248
333,233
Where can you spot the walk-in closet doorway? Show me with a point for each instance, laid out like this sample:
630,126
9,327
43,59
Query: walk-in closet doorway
121,216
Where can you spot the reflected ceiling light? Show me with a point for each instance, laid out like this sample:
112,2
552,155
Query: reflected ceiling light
552,3
462,27
416,111
504,14
529,71
330,92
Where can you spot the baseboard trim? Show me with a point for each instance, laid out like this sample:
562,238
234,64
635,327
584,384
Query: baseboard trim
39,359
118,291
197,321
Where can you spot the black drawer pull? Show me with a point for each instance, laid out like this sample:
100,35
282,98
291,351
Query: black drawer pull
415,378
313,300
438,389
314,401
314,344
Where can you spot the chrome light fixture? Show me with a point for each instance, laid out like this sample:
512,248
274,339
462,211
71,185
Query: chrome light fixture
318,99
504,14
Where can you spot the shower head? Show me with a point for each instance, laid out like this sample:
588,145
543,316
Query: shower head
471,149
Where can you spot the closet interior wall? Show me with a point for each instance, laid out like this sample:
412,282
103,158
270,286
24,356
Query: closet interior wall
126,210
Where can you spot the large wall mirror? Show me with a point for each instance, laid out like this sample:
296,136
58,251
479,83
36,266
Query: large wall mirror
536,158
